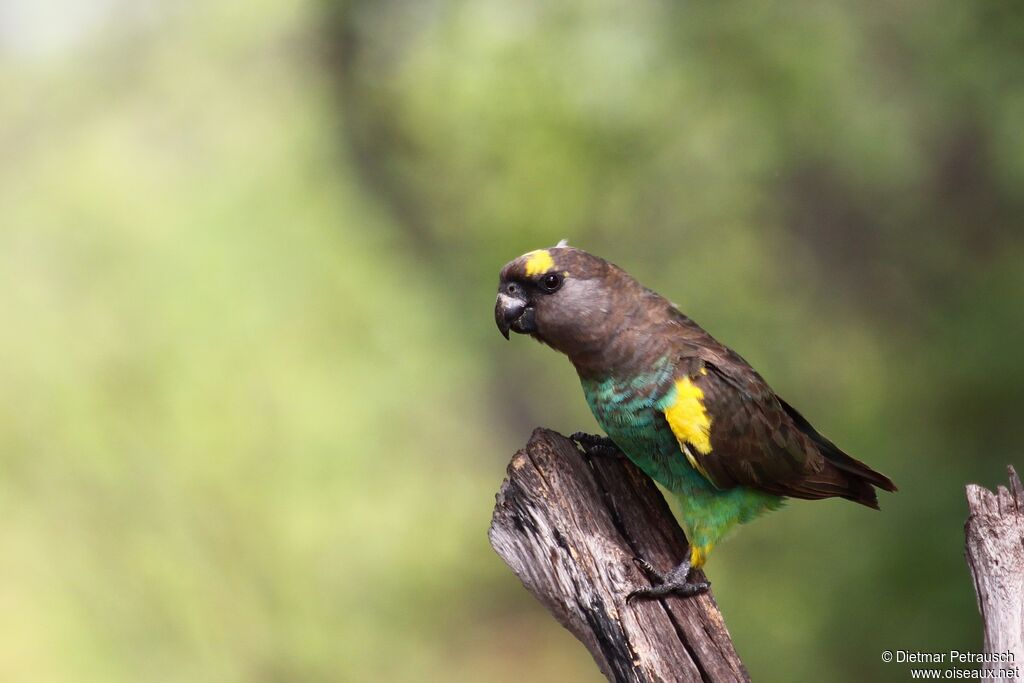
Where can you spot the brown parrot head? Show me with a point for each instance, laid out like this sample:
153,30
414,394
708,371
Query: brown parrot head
564,297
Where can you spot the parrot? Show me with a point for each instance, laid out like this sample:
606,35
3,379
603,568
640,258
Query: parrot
687,410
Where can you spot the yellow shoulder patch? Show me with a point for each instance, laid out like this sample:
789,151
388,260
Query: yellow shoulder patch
690,421
538,262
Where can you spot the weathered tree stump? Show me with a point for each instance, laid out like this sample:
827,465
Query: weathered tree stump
569,526
995,554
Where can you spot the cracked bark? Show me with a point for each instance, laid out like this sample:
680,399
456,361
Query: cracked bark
995,555
569,526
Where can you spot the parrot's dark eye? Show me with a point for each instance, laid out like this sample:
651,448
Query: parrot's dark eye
551,282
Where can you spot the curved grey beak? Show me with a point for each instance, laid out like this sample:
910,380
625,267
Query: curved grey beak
507,310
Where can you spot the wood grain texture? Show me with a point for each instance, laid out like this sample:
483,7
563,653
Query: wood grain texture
569,526
995,555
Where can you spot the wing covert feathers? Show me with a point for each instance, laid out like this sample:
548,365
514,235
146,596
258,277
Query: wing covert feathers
736,432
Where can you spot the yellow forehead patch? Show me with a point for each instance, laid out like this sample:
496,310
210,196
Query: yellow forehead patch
538,262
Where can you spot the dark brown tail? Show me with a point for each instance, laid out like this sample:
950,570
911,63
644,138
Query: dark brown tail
843,475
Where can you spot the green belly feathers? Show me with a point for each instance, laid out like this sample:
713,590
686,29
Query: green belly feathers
631,413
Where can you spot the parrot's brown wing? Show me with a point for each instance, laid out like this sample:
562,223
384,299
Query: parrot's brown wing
755,439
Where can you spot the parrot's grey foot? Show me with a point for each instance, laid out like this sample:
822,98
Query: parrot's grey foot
674,583
592,444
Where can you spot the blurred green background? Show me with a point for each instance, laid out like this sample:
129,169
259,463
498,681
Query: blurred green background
253,407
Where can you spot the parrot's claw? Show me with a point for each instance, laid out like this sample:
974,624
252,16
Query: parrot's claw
592,444
647,568
683,590
674,583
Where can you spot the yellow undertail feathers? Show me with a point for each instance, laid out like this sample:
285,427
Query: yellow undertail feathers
699,555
